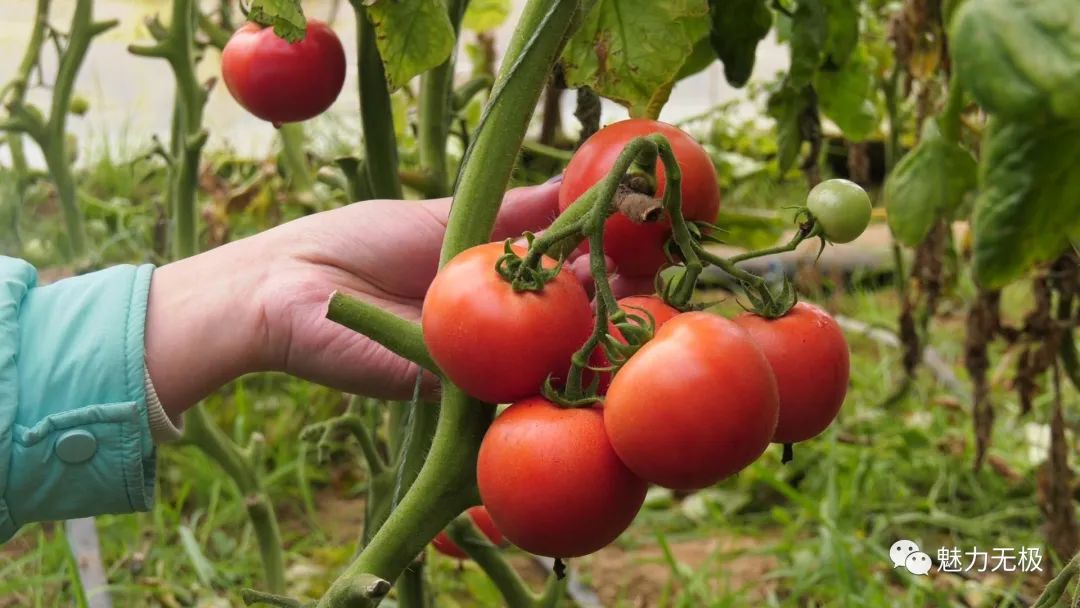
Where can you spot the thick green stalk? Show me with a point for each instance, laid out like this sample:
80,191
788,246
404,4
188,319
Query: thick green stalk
535,46
954,106
436,93
178,48
446,485
396,334
412,587
19,86
444,488
293,158
376,113
50,135
83,29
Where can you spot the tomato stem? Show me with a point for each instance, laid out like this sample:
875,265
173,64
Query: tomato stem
605,191
376,113
514,590
403,338
683,289
954,107
808,229
436,93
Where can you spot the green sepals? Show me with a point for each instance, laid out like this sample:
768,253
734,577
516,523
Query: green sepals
768,303
522,276
552,394
285,16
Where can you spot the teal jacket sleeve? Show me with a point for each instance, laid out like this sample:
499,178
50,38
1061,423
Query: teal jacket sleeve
74,435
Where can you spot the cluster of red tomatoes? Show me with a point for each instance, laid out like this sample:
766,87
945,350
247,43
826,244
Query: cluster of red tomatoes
695,404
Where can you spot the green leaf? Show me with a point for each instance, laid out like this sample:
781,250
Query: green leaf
413,36
927,185
631,51
809,30
285,16
1019,57
847,95
786,106
843,27
483,15
737,27
1029,199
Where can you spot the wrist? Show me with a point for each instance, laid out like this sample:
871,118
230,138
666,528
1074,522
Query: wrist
203,323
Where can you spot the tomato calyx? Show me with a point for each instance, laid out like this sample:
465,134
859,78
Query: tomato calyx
770,302
528,273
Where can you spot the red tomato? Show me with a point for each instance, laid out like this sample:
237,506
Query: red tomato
696,404
482,520
551,481
282,82
640,306
497,344
810,360
638,249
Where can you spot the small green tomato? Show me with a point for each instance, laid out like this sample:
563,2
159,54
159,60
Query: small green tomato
841,207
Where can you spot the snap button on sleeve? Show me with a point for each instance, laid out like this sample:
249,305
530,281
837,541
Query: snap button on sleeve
76,446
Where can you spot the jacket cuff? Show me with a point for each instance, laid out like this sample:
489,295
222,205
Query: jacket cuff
81,442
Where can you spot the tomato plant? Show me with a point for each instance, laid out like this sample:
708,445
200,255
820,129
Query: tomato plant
809,358
696,404
841,207
496,343
482,520
284,82
552,482
638,249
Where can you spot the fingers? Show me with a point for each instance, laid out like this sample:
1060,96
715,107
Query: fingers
526,209
621,286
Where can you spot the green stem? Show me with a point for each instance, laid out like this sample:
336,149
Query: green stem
402,337
293,157
1060,583
490,559
535,46
436,93
892,109
539,149
464,94
178,48
594,222
50,135
412,587
801,235
446,485
201,431
376,112
1070,362
954,107
684,290
564,234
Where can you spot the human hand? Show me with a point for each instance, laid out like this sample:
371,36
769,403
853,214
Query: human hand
259,304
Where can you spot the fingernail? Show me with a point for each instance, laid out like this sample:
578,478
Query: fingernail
555,180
